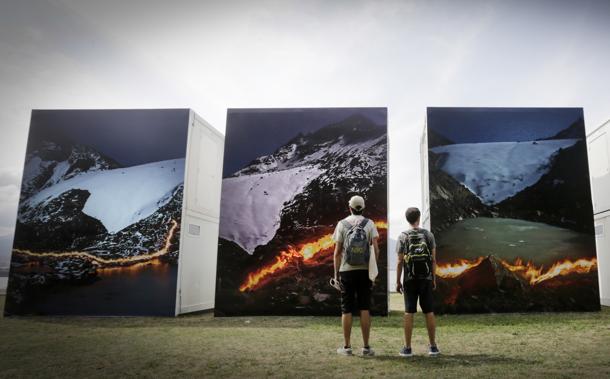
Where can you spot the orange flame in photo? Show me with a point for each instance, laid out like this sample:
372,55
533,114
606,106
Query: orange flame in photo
306,253
281,261
452,270
529,271
566,267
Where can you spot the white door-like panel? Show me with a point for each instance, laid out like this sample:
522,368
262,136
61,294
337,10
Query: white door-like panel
602,239
205,170
198,265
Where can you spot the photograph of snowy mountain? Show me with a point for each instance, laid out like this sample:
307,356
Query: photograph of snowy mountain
511,209
288,174
98,222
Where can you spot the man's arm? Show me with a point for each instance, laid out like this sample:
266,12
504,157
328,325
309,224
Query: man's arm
337,258
399,265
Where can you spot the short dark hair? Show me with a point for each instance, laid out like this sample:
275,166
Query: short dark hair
357,212
413,214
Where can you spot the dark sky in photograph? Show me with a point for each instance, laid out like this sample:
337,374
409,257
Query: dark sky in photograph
472,125
252,133
130,137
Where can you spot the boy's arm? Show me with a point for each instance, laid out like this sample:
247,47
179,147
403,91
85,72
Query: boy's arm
337,258
399,265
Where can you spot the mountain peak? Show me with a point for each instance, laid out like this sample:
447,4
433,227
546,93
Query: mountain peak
576,130
51,162
436,139
355,128
320,146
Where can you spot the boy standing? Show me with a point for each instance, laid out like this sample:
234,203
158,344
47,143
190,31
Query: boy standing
416,251
353,237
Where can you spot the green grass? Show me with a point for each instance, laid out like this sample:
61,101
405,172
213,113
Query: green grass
492,345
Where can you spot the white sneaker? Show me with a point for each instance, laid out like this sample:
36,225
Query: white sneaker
368,352
406,352
344,351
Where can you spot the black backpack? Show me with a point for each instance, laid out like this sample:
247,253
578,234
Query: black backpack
418,258
356,243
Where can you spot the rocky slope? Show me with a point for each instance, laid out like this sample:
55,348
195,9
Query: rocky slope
450,201
61,220
331,164
348,157
561,197
49,162
544,181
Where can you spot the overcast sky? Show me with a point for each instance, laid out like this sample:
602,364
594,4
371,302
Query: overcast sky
210,56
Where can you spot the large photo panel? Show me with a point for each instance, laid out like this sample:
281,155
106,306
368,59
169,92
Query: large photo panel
510,206
288,174
98,224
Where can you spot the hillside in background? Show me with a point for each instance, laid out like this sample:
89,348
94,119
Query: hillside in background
570,204
281,201
80,212
546,180
495,171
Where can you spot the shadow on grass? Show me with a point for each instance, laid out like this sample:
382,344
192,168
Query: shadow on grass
207,321
454,360
394,320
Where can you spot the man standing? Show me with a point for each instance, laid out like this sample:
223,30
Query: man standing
416,251
353,237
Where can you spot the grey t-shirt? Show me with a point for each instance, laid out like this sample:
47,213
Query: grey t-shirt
339,236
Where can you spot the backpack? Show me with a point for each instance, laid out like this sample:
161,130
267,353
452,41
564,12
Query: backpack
356,243
418,259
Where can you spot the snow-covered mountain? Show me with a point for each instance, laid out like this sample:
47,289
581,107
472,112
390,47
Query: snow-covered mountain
498,170
117,197
252,203
75,198
51,162
305,183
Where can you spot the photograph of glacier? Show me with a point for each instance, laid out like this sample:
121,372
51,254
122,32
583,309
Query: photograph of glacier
287,177
511,209
98,222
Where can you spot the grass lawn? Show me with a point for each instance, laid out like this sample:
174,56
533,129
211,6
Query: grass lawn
494,345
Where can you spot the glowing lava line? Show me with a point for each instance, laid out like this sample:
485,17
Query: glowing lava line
529,271
561,268
452,270
104,261
306,253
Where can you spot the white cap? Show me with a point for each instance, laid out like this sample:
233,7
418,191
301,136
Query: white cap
356,202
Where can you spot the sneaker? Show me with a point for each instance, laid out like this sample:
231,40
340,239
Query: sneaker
368,352
433,351
344,351
406,352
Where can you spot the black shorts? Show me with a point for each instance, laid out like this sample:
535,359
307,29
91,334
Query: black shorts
418,288
356,294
